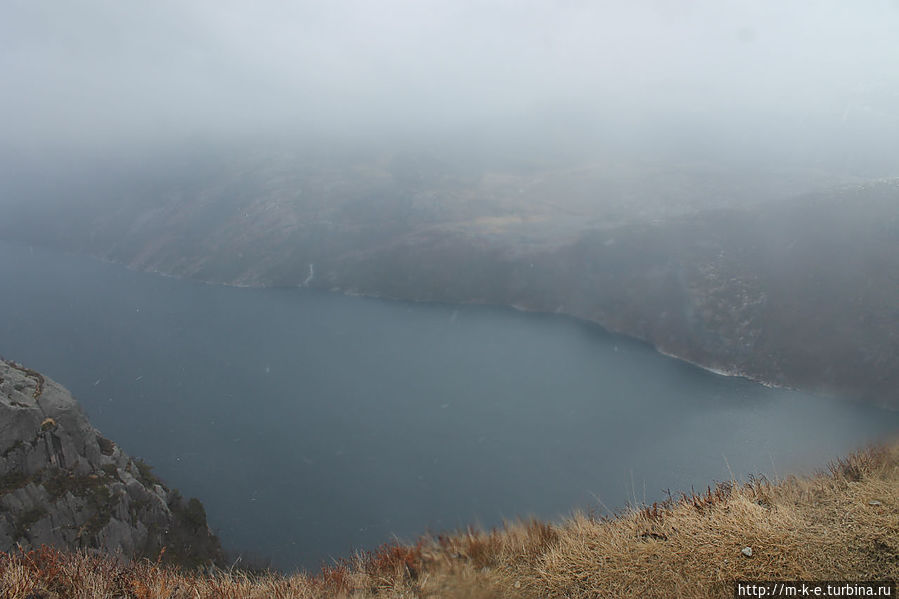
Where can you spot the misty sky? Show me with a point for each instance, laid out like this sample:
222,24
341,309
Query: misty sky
100,71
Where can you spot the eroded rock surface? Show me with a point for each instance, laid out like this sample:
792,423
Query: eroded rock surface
63,484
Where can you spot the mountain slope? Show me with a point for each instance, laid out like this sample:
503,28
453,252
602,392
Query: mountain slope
801,291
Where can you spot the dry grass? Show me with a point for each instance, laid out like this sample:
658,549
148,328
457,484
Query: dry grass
839,525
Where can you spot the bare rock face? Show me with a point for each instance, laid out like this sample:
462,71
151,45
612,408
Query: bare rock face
64,484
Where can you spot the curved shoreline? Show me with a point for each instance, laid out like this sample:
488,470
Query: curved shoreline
509,306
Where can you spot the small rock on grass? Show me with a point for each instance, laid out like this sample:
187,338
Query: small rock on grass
874,502
747,551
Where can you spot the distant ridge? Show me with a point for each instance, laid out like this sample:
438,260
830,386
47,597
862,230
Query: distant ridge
746,273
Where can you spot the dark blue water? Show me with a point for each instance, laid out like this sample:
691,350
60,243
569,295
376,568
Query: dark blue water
311,423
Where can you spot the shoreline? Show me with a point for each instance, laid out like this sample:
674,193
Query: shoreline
518,307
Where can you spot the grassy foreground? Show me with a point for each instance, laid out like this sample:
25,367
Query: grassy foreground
842,524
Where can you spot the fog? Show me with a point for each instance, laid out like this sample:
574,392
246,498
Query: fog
811,81
712,180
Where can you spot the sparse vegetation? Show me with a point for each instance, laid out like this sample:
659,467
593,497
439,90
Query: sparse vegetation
145,473
107,447
840,525
12,480
59,482
26,519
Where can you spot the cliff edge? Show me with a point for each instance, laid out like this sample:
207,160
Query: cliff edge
63,484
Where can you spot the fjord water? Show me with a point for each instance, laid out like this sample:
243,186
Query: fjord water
312,423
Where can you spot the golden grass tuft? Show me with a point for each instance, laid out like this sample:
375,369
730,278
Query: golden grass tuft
842,524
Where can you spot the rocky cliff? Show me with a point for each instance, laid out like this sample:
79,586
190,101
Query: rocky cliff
63,484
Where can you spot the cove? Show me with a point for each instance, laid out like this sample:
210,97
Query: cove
312,424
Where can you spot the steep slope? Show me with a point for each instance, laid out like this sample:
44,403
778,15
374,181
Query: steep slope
796,290
802,293
838,526
63,484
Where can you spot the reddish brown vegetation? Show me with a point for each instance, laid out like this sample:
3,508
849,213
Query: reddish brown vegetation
842,525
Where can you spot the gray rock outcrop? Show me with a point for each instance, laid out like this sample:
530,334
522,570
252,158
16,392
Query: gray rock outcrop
63,484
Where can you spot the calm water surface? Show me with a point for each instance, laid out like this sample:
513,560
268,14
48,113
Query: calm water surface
311,424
